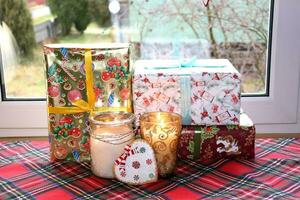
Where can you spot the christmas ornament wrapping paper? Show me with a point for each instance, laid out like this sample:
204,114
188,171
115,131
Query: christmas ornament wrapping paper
202,91
82,79
210,143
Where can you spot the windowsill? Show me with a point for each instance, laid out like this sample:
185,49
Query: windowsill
259,135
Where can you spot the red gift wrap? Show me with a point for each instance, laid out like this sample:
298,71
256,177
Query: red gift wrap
210,143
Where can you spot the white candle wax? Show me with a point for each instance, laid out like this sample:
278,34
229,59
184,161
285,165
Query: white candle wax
104,153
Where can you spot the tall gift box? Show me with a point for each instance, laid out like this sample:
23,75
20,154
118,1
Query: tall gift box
210,143
202,91
82,79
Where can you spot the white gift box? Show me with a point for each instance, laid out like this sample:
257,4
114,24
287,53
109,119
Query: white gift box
202,91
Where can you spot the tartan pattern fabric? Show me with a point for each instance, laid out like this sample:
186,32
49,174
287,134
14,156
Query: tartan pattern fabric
26,173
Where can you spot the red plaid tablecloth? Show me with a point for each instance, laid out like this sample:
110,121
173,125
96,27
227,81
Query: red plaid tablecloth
25,173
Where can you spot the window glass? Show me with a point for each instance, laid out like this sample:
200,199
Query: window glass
166,29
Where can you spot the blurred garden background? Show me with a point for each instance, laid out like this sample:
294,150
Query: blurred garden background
173,29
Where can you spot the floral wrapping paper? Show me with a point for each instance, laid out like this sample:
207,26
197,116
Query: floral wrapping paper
66,82
205,93
210,143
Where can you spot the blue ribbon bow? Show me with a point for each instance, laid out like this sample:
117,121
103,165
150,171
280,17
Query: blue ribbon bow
185,64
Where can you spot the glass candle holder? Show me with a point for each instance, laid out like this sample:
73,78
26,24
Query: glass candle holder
110,133
162,131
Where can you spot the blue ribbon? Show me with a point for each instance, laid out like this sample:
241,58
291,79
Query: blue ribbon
185,99
188,64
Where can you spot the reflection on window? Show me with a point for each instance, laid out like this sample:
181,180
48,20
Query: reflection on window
166,29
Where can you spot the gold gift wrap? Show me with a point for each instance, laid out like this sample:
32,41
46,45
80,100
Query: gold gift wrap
81,80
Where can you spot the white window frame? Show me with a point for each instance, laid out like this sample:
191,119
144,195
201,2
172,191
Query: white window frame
277,113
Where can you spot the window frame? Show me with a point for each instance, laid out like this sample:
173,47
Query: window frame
278,113
275,113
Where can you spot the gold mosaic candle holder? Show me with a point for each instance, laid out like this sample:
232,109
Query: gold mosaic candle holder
162,131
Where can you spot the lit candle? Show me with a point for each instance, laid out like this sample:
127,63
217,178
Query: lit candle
162,131
111,132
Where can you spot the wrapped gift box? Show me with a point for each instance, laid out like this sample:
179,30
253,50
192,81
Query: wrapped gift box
210,143
202,91
82,79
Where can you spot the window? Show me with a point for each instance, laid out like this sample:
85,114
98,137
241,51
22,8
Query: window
184,29
189,29
240,30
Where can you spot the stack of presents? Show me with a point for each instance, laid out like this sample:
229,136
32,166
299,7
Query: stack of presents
206,93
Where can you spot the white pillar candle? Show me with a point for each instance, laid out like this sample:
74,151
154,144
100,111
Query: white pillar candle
107,144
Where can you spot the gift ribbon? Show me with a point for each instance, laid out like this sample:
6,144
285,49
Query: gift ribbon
197,142
185,100
89,106
185,64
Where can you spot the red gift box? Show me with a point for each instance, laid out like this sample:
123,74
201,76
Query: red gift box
210,143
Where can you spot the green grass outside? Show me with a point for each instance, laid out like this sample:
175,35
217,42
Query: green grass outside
85,38
93,34
42,19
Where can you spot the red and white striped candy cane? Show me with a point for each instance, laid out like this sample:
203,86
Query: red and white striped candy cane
127,148
63,66
121,159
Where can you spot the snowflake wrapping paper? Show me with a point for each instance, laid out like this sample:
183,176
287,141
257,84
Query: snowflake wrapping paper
137,165
96,76
210,143
203,91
